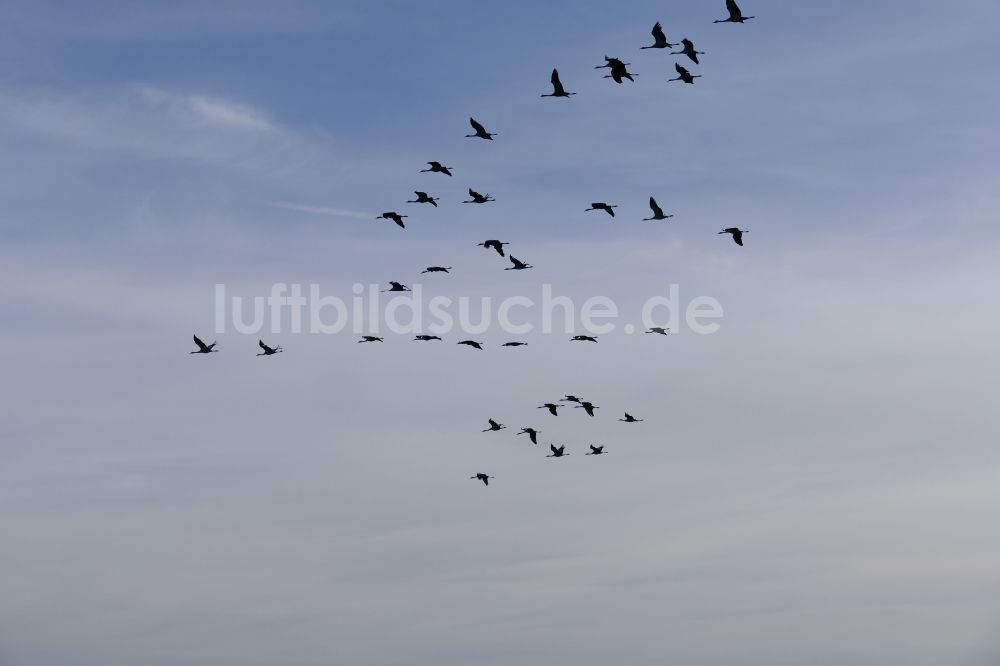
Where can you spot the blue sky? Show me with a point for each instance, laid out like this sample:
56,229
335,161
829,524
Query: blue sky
810,484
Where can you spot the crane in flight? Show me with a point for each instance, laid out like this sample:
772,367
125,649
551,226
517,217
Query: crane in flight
481,132
600,205
595,450
268,351
202,347
657,211
478,198
482,477
630,419
437,167
494,426
495,244
659,39
557,86
557,451
394,216
370,338
737,234
735,15
518,265
531,433
689,51
423,197
684,75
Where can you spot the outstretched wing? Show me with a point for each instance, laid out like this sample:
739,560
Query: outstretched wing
477,126
556,83
734,9
201,345
658,33
657,211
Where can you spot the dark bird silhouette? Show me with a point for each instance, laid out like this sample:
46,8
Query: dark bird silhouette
268,351
518,264
684,75
436,269
370,338
557,86
202,347
630,419
619,69
689,51
480,131
557,451
659,39
600,205
495,244
551,407
478,198
494,426
657,211
658,329
595,450
472,343
437,167
425,338
396,286
571,398
737,234
735,15
482,477
394,216
423,197
583,338
587,407
531,433
514,344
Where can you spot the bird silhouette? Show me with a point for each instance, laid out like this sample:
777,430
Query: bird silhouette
437,167
370,338
659,39
494,426
630,419
587,407
552,407
583,338
737,234
394,216
557,86
657,211
425,338
595,450
531,433
436,269
472,343
618,68
735,15
571,398
396,286
658,329
423,197
684,75
482,477
600,205
202,347
514,344
268,351
495,244
480,131
518,265
557,451
689,51
478,198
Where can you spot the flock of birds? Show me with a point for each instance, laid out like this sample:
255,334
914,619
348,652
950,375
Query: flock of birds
618,73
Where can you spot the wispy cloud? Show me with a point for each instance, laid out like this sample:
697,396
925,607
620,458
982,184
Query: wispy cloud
322,210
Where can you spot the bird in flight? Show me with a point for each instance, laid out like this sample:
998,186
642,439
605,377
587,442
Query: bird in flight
494,426
480,131
472,343
495,244
394,216
268,351
518,265
551,407
531,433
396,286
657,211
658,329
571,398
600,205
583,338
370,338
735,15
618,68
436,269
557,86
482,477
557,451
684,75
659,39
630,419
595,450
737,234
437,167
423,197
514,344
588,407
203,348
689,51
478,198
425,338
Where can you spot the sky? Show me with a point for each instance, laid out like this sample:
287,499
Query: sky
811,485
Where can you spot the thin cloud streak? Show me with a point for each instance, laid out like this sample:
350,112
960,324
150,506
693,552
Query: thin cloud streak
322,210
